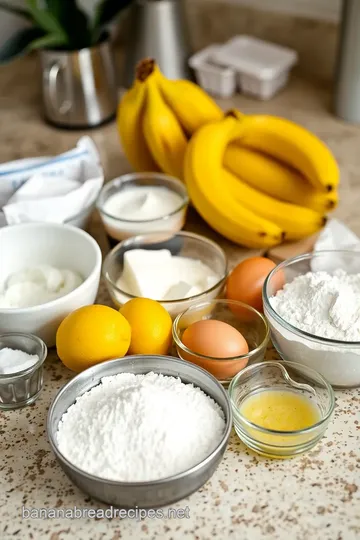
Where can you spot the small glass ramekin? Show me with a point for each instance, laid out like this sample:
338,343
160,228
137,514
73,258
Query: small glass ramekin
22,388
288,376
182,244
249,322
120,229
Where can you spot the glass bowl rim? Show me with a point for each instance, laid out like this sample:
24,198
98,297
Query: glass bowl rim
281,364
133,176
248,355
185,234
42,355
288,326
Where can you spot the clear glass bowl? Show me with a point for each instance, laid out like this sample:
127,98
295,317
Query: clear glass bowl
22,387
280,376
182,244
250,323
337,361
120,229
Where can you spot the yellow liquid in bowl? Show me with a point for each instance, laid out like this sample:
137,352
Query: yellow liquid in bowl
280,410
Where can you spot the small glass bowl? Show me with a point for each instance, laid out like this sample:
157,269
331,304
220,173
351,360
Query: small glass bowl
291,376
120,229
250,323
182,244
22,388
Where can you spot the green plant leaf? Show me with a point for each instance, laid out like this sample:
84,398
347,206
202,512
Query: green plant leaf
45,19
15,10
73,20
105,12
47,41
18,44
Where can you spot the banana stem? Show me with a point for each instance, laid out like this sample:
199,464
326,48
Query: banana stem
145,68
240,125
235,114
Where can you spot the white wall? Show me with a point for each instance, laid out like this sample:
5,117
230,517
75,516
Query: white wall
328,10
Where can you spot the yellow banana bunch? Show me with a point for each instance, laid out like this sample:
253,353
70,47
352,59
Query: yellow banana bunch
294,145
296,221
164,136
129,120
265,200
156,117
191,105
274,178
214,202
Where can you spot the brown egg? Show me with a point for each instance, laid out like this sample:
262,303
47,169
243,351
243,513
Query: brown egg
219,341
247,279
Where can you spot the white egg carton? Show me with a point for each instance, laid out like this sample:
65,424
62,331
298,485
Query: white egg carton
262,68
215,79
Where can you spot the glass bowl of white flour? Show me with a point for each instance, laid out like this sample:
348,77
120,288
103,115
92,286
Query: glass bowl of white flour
141,431
312,303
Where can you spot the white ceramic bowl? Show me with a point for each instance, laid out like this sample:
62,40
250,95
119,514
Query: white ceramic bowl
61,246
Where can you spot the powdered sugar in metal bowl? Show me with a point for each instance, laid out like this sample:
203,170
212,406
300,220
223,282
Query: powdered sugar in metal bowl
138,428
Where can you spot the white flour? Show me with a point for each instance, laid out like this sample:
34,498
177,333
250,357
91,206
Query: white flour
140,427
322,304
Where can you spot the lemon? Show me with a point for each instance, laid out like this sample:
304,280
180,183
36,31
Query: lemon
150,326
90,335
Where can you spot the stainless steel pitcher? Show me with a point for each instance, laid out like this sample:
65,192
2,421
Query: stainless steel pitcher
157,29
79,88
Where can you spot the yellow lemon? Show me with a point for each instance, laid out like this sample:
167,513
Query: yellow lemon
150,326
90,335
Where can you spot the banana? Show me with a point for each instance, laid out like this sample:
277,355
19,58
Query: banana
129,122
225,214
294,145
296,221
191,105
163,133
276,179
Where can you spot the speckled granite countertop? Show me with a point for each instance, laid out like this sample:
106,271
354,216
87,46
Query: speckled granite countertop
316,496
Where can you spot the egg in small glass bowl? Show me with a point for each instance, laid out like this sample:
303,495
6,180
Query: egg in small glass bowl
231,324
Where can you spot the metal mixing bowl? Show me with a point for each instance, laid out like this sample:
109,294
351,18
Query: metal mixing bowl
141,494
